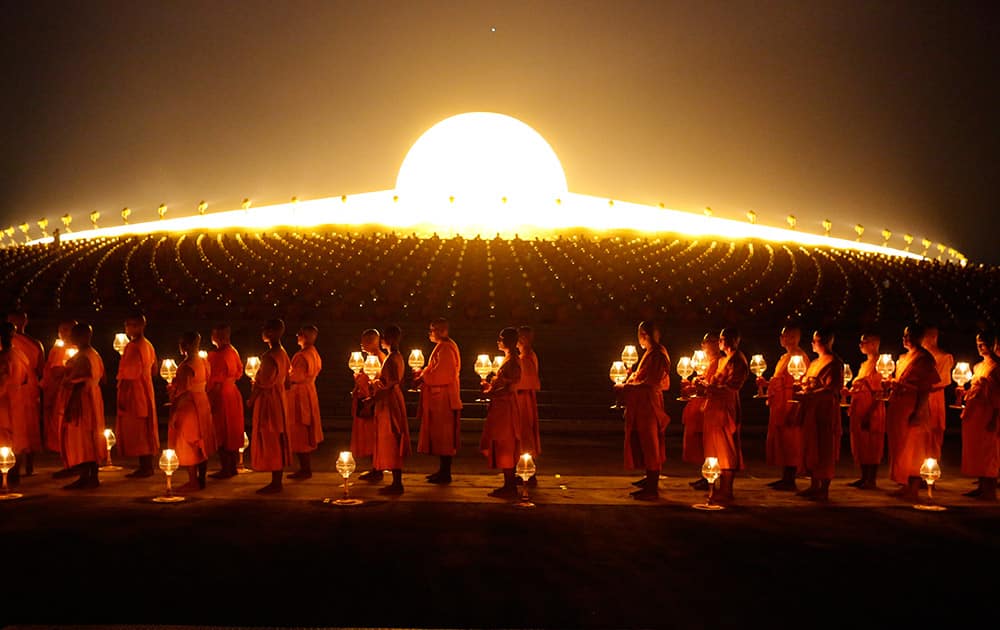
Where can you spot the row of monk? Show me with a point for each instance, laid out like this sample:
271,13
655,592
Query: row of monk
804,427
207,417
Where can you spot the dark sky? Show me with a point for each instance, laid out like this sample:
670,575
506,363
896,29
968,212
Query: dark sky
883,113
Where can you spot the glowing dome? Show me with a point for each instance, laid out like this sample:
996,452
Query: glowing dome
480,156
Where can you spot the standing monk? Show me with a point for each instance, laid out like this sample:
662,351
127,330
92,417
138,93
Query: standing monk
138,431
392,431
943,362
980,444
819,396
784,431
440,401
82,431
693,450
527,399
645,420
867,414
31,392
500,440
191,432
225,368
13,371
721,412
363,408
52,373
909,416
305,430
269,433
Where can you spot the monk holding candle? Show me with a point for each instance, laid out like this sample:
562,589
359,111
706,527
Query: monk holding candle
867,414
225,368
52,373
13,373
500,442
721,412
82,432
136,425
30,392
269,432
784,431
527,400
943,363
440,401
980,444
191,432
305,429
363,408
819,395
392,431
645,419
693,451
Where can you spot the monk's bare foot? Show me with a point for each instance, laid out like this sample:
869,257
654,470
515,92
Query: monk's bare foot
646,494
700,484
271,488
785,486
776,483
807,493
391,489
868,485
504,492
371,475
82,484
973,493
439,478
857,484
139,473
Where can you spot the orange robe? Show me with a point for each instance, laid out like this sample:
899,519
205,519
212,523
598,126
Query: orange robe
784,430
820,413
31,391
269,433
693,449
501,438
645,419
440,401
980,445
721,412
908,417
362,427
527,404
137,429
191,432
225,368
943,363
52,377
82,431
305,430
13,365
392,431
867,414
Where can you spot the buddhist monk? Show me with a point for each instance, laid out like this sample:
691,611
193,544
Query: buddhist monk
305,429
225,368
392,431
269,432
944,363
363,407
440,404
527,397
55,368
31,391
191,432
721,412
14,366
136,425
908,416
500,441
867,414
693,449
784,431
82,431
819,395
645,419
980,444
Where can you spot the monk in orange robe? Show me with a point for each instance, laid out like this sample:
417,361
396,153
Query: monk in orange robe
784,431
82,431
31,391
14,366
645,419
980,442
944,363
52,373
305,429
392,431
363,408
527,397
500,442
225,368
819,395
269,433
867,414
693,449
440,404
137,427
908,416
191,432
721,412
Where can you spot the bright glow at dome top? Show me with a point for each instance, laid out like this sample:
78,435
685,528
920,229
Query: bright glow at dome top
481,156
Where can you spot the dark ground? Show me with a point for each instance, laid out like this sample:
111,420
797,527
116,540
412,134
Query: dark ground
587,555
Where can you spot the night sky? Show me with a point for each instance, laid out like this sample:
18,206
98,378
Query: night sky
883,113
